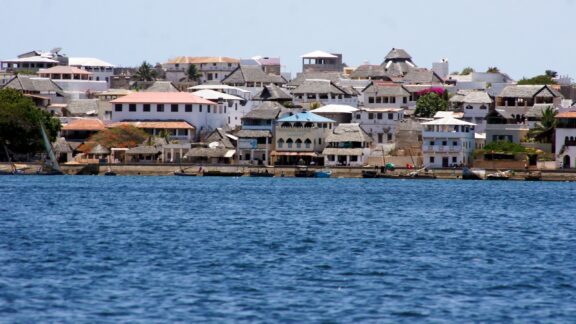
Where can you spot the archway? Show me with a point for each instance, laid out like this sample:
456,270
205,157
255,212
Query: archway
566,162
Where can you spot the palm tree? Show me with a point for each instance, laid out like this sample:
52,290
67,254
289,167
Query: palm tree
145,72
544,130
493,69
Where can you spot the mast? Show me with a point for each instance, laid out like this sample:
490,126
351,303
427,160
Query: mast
49,150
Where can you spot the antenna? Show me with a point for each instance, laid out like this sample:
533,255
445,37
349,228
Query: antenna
56,50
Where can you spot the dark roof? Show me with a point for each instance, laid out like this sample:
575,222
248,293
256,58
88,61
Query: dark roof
267,110
537,110
82,106
272,92
61,146
249,73
387,89
207,152
301,77
398,53
348,133
527,91
161,86
249,133
144,150
319,86
99,149
421,76
370,72
219,135
33,84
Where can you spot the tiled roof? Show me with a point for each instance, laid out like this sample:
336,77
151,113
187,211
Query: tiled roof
370,72
420,76
387,89
155,124
162,97
62,69
398,53
567,114
84,125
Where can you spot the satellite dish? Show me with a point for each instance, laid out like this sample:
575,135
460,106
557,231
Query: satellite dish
56,50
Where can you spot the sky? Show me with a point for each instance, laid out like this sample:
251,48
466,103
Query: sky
520,37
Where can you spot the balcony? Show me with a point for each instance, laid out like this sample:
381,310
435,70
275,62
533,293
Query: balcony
431,134
441,149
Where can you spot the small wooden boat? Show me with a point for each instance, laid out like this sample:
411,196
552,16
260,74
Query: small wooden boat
324,173
304,173
533,176
500,175
223,173
184,174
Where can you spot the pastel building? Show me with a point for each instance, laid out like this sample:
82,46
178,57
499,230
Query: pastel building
447,142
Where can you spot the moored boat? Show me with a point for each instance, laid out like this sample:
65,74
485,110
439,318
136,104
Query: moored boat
324,173
217,173
533,176
499,175
473,174
261,174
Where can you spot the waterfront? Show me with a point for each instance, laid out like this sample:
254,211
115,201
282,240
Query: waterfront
125,249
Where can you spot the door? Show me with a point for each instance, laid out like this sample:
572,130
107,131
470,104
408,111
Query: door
566,161
445,161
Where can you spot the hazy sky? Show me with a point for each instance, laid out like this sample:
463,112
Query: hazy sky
521,37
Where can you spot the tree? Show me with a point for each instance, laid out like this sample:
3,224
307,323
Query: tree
192,73
545,129
125,136
466,71
546,78
145,72
429,104
20,123
493,69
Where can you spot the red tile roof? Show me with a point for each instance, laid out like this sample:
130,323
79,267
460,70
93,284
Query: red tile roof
161,98
155,124
61,69
567,114
84,125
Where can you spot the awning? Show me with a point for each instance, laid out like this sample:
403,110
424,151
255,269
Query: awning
313,154
342,151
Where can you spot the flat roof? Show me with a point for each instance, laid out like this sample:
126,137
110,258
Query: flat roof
162,98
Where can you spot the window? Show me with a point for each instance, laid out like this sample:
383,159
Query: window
298,143
146,108
174,108
118,107
431,159
353,158
379,116
432,143
392,99
468,107
370,99
358,116
289,143
307,143
208,109
483,107
370,116
444,143
280,143
378,100
454,143
188,108
389,137
160,108
319,141
405,100
380,137
132,107
390,116
200,108
454,159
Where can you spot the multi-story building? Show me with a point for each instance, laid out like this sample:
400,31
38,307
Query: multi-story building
324,92
320,61
101,71
381,94
233,107
565,143
210,69
379,123
301,138
474,105
447,142
348,144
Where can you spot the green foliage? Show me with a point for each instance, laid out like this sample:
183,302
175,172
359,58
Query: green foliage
504,147
146,72
546,78
192,73
126,136
315,105
20,123
493,69
545,129
466,71
429,104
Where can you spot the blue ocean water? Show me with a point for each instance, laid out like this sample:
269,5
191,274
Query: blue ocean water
163,249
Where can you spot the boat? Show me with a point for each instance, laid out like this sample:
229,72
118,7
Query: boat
418,174
533,176
499,175
216,173
52,167
184,174
324,173
303,172
473,174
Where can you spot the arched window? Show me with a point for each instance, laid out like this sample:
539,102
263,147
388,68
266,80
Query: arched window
468,107
308,125
483,107
298,143
307,143
280,143
289,143
298,124
285,125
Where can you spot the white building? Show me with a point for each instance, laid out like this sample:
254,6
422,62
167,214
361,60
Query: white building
209,68
474,105
348,145
447,142
566,139
169,106
379,123
101,71
382,94
232,106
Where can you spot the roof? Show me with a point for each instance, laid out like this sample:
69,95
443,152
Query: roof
210,152
145,149
367,71
267,60
219,135
155,124
272,92
266,110
87,61
537,110
161,98
32,59
82,106
318,53
398,53
202,59
420,76
99,149
449,114
303,76
567,114
387,89
249,133
33,84
62,69
306,116
318,86
249,73
215,95
448,121
527,91
217,87
61,146
342,151
477,97
161,86
348,133
335,109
